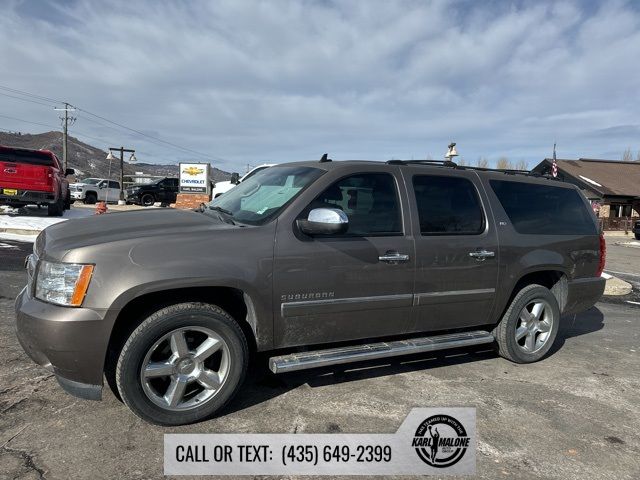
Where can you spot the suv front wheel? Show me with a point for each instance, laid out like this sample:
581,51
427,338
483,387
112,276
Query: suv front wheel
529,326
182,364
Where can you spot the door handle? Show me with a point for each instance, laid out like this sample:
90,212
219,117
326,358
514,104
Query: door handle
481,255
394,257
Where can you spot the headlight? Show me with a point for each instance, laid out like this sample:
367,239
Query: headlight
63,283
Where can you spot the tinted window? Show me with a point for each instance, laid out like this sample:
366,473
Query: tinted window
447,206
543,209
113,184
265,194
370,200
26,156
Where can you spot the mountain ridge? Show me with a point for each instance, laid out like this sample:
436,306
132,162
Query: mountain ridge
90,161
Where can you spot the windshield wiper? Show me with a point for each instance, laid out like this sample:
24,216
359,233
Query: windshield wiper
220,209
228,213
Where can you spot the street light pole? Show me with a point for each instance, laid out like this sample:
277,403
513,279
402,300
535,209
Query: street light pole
122,150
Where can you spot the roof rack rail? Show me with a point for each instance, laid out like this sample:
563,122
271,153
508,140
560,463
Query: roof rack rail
446,163
450,164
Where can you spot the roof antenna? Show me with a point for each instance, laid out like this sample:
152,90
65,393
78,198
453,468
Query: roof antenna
451,153
325,158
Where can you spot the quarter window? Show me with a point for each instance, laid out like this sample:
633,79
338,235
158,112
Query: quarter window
544,209
447,206
370,201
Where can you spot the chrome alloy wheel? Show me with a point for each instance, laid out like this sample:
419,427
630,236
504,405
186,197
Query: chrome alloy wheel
534,326
185,368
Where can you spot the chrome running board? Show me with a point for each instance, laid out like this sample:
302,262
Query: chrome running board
371,351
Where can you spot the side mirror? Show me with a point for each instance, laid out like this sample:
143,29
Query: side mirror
235,178
324,221
69,171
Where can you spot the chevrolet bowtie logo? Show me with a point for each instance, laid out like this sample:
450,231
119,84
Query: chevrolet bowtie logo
193,171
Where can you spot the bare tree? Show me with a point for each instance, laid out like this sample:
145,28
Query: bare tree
503,163
522,165
482,162
627,156
462,162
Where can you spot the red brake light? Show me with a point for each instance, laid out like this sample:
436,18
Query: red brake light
603,255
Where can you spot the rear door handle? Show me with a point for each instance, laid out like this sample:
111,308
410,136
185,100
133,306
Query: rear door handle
394,257
481,255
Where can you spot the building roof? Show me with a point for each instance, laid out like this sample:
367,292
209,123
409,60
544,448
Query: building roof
605,177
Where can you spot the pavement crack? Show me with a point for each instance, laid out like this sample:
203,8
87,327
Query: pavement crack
26,457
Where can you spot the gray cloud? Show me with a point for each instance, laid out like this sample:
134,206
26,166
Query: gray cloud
288,80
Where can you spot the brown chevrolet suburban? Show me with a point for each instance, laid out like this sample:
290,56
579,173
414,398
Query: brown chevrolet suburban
321,263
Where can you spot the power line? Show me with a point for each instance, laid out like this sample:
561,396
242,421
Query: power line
137,132
149,136
28,94
27,121
26,99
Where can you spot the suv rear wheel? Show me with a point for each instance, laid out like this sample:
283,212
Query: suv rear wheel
529,326
147,200
90,198
182,364
56,209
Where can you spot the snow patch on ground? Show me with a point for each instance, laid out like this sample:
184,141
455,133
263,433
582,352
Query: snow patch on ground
34,218
18,238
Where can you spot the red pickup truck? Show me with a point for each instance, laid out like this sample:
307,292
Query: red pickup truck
33,177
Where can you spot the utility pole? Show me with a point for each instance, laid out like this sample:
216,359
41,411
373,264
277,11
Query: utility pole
65,123
132,159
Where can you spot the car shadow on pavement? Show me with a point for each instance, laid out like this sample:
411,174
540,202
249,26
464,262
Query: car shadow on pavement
261,385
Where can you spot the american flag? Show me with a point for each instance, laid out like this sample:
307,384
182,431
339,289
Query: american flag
554,164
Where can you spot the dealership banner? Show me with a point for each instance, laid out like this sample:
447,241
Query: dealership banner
194,178
430,441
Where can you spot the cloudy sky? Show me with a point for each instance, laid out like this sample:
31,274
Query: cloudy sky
248,81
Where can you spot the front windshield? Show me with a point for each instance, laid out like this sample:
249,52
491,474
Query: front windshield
91,181
261,197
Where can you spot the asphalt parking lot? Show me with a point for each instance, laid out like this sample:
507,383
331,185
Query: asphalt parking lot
573,415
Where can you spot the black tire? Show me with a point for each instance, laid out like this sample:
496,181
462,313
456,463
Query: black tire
67,201
90,198
147,200
184,315
505,332
56,209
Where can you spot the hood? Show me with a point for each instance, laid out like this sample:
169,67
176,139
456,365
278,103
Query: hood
124,226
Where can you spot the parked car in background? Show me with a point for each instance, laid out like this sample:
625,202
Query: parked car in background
164,190
320,263
221,187
92,190
33,177
636,229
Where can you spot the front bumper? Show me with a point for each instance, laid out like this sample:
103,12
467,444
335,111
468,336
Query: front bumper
71,342
77,195
583,293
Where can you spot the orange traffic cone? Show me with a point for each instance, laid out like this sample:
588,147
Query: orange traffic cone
101,207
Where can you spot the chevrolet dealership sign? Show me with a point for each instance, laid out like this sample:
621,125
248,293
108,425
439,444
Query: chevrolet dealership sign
194,177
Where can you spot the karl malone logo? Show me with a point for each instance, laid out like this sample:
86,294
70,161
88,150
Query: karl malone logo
441,441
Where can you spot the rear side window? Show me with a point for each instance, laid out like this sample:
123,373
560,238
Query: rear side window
31,158
544,209
113,184
447,206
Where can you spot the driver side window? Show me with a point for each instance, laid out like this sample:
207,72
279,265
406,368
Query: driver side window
370,201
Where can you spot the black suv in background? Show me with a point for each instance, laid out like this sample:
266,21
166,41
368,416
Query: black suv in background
164,190
636,229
